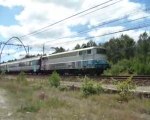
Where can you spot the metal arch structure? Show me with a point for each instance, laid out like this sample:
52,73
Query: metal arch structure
8,41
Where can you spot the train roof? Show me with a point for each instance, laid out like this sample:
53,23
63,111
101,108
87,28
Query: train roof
38,57
21,60
72,51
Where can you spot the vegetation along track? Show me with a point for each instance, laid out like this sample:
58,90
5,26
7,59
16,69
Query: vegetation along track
141,80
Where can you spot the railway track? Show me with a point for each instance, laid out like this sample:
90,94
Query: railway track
140,80
75,82
138,77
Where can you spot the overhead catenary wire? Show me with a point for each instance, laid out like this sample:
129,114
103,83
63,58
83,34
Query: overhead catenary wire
91,28
100,25
105,33
50,25
77,16
110,33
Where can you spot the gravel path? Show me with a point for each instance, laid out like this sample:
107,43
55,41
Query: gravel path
5,106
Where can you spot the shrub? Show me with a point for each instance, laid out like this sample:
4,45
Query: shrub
63,88
21,78
125,88
141,68
122,67
34,105
90,87
31,106
2,75
54,79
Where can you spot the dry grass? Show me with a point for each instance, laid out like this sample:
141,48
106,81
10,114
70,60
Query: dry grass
39,101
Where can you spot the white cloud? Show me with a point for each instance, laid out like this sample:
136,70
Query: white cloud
40,13
105,30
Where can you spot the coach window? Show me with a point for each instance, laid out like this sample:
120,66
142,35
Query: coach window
88,51
80,52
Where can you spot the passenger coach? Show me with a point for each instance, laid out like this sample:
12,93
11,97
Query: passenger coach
90,60
30,65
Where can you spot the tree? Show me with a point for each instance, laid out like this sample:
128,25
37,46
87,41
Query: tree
91,44
129,46
77,47
120,48
143,47
84,45
58,50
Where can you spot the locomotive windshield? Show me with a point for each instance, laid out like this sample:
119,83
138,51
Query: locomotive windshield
100,51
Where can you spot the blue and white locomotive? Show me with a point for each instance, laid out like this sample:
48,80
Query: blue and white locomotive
90,60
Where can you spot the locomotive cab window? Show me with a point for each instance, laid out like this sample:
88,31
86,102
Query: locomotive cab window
100,51
88,51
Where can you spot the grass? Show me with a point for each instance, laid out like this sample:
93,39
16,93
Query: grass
38,101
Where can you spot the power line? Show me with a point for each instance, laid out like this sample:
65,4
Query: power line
100,25
11,44
39,30
106,34
120,31
100,8
79,16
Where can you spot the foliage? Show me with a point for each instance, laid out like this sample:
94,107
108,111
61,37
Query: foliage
77,47
122,67
36,104
121,48
65,106
127,56
31,107
2,75
54,79
125,88
63,88
140,67
59,49
91,43
21,78
131,66
89,87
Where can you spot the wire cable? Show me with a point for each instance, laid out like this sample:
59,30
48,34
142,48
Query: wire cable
110,33
39,30
100,25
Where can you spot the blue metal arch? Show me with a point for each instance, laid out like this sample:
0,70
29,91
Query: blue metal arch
8,41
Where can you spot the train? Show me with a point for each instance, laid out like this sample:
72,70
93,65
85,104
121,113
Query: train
92,60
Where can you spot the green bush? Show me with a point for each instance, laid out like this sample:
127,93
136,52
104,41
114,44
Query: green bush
125,88
140,67
54,79
89,87
2,75
21,78
30,107
121,68
63,88
132,66
34,105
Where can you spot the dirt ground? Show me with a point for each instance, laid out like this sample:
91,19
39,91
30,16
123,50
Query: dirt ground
6,109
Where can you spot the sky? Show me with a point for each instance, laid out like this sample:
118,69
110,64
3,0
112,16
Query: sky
21,17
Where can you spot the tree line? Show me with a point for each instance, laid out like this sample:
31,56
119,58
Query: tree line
125,55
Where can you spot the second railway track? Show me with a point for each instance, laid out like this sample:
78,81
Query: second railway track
140,80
